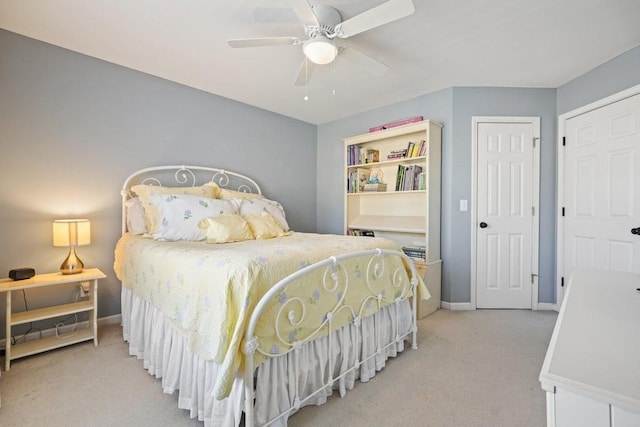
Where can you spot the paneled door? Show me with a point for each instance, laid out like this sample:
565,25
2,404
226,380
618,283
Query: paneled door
506,201
600,210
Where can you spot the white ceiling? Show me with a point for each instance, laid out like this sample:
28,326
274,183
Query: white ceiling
518,43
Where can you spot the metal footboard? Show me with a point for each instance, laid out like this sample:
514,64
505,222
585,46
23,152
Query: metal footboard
298,307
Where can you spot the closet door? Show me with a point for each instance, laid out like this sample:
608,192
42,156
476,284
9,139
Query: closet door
601,189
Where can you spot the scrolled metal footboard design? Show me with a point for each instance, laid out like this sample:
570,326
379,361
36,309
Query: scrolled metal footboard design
386,281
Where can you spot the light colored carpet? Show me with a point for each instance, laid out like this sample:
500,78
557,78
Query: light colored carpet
476,368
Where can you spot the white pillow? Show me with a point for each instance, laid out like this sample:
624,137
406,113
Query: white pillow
179,215
136,221
256,206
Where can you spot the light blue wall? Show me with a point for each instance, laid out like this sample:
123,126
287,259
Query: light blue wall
72,128
453,108
469,102
620,73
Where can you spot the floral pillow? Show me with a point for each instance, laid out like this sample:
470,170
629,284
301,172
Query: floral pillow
179,215
257,206
144,191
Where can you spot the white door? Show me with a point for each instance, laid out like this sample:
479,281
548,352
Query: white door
601,189
505,220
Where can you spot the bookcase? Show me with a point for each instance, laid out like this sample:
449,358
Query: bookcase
407,209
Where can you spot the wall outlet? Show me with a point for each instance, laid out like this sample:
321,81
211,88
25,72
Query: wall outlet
84,289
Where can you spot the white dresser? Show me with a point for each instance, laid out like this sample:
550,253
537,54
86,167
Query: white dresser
591,372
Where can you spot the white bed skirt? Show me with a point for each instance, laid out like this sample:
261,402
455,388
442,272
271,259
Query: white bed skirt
166,355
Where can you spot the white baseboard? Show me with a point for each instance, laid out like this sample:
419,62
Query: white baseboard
549,306
456,306
103,321
460,306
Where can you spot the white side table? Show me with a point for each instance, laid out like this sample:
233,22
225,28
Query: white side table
49,343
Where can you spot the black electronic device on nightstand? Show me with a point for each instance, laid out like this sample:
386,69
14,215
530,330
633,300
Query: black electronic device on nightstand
22,273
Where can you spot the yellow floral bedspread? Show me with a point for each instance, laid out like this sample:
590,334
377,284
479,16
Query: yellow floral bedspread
208,291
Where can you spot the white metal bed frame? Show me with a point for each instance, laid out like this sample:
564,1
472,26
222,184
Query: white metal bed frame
296,308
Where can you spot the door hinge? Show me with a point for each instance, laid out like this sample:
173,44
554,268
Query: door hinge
563,211
535,138
562,282
533,276
533,211
564,141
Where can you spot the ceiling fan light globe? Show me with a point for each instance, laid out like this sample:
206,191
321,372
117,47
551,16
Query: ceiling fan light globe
320,51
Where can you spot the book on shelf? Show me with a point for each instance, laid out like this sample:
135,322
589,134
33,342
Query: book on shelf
396,123
408,178
360,232
357,155
416,252
397,154
422,149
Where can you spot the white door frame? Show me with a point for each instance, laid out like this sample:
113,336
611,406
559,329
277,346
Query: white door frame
535,121
562,122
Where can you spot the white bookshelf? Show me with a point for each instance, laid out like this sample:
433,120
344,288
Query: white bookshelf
411,217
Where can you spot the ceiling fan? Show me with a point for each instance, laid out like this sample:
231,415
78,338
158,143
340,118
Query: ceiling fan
323,24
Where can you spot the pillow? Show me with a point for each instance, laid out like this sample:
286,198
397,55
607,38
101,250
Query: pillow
179,215
257,206
225,193
136,221
264,226
226,228
151,213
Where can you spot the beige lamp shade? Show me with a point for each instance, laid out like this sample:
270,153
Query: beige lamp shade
71,232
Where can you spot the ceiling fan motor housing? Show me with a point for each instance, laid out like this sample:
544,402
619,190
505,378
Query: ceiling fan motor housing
328,17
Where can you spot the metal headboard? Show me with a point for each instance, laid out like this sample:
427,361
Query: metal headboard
185,176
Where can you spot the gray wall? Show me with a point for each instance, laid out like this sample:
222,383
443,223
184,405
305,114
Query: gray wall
469,102
72,128
453,108
622,72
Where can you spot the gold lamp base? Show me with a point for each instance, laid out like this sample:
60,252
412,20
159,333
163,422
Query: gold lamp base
72,264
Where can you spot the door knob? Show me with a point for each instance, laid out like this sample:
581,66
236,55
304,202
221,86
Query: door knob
484,225
635,230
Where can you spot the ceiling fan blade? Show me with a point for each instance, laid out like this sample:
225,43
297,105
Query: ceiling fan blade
379,15
305,72
371,65
264,41
303,9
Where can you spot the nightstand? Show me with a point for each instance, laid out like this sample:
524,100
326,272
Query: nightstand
49,343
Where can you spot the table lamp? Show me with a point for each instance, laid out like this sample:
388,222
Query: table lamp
71,233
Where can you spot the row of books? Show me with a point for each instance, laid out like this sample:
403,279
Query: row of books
357,155
410,178
417,252
359,232
416,149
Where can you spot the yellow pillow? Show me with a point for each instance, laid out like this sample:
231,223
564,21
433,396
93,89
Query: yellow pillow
214,187
265,226
226,228
151,212
225,193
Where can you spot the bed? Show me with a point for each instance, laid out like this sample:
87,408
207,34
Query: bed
247,320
